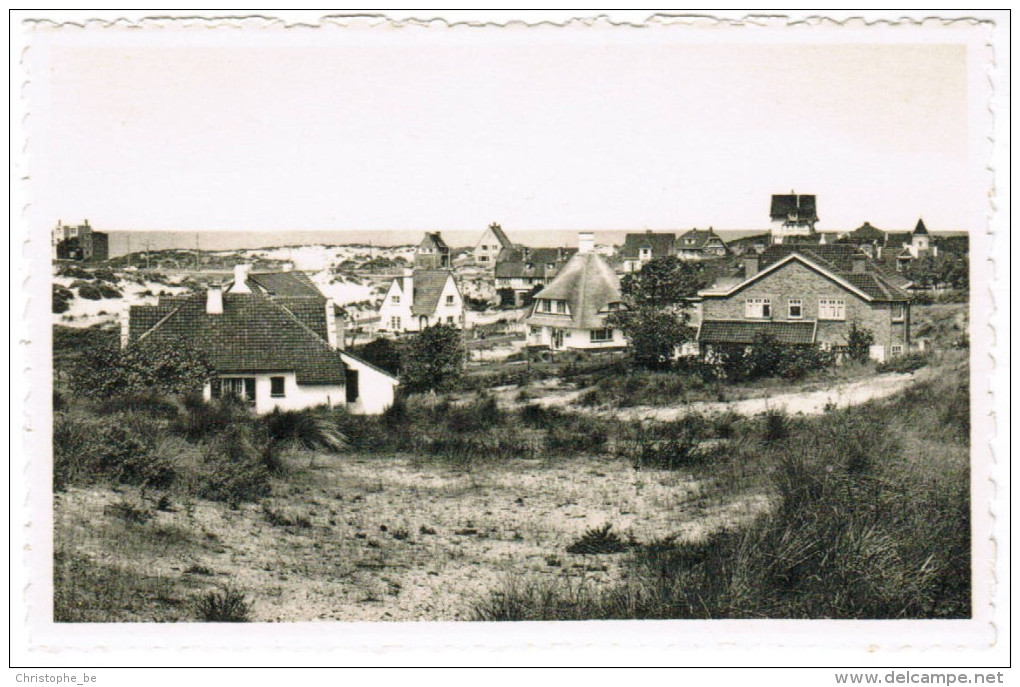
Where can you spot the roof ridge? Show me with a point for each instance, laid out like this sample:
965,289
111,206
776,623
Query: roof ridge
160,322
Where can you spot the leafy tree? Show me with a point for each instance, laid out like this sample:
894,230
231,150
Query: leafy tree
433,358
658,300
157,368
382,353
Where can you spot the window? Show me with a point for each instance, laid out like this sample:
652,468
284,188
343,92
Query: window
598,335
561,307
758,307
796,308
831,309
276,387
395,323
449,319
898,312
449,300
238,387
646,252
896,349
545,306
396,299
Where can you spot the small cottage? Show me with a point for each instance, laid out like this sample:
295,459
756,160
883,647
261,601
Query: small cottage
493,241
420,299
640,249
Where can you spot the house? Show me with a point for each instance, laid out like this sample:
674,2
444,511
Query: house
793,218
520,271
79,242
571,311
808,294
272,350
640,249
432,253
897,250
419,299
700,244
493,241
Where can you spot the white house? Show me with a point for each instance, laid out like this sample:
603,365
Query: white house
271,351
571,311
493,240
420,299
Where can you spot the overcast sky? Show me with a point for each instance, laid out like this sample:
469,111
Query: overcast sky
604,129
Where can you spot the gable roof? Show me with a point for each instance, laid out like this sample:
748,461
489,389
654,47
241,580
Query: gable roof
660,243
433,240
784,205
291,284
866,232
745,332
588,285
253,334
698,239
500,235
833,261
513,262
920,229
428,286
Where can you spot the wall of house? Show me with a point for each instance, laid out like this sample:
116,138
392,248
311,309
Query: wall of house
488,248
574,338
295,396
376,389
794,280
389,309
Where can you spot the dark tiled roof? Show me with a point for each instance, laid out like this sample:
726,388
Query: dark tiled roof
513,263
744,332
433,240
920,228
428,287
501,236
660,243
791,204
253,334
286,284
838,259
866,232
698,238
309,311
588,285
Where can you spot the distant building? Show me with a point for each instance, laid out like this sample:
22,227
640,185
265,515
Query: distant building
79,243
432,253
420,299
493,241
899,249
700,244
520,271
273,340
641,248
793,218
571,311
804,294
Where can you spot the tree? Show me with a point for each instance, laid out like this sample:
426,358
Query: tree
432,359
382,353
858,343
658,300
165,368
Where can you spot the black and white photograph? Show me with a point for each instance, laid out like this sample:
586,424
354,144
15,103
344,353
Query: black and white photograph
381,323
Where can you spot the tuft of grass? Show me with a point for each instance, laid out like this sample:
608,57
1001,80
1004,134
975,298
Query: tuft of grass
599,540
775,425
229,605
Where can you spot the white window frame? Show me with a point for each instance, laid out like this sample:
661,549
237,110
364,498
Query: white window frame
449,299
832,309
799,304
395,322
561,307
601,335
396,299
896,349
759,308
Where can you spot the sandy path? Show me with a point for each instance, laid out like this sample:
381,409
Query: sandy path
803,402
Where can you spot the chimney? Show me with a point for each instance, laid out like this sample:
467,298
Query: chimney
331,326
408,286
125,327
240,279
585,242
859,262
214,300
750,265
878,251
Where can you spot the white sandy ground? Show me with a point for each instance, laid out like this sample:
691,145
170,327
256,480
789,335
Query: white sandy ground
483,528
812,402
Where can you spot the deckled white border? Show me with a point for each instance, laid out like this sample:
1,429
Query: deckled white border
731,642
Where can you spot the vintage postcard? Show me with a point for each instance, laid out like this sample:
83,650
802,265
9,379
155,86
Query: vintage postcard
356,333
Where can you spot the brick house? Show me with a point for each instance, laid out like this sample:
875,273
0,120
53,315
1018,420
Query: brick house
808,294
273,341
79,242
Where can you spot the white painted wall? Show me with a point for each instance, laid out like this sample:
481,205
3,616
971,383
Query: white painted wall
395,304
376,389
576,339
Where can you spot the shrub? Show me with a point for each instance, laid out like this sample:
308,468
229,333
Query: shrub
202,419
147,403
859,343
433,359
775,425
904,363
229,605
766,357
107,291
312,429
163,368
89,292
669,453
382,353
62,297
235,466
599,540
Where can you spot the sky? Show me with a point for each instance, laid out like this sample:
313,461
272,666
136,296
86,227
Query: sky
611,129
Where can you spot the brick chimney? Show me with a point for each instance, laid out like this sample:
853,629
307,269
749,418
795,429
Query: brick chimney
860,261
240,279
214,300
585,242
750,265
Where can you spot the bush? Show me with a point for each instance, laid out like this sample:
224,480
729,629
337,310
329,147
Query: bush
858,343
433,359
312,429
89,292
236,469
775,425
904,363
107,291
163,368
673,447
381,352
62,297
227,606
766,357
